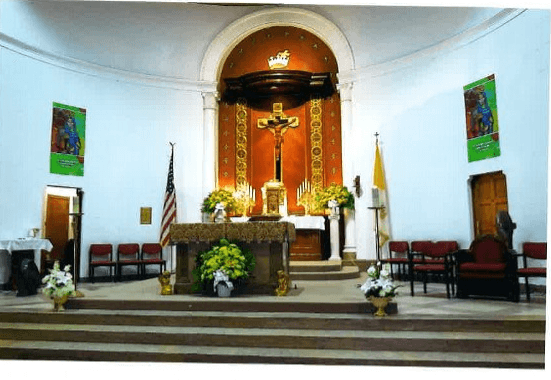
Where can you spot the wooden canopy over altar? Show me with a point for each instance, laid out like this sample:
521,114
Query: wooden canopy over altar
292,69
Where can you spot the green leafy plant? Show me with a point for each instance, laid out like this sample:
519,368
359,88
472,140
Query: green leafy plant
339,193
235,262
219,196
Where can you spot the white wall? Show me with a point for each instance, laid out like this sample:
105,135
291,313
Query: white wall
128,128
418,110
416,107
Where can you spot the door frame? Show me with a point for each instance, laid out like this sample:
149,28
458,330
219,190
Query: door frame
76,195
471,183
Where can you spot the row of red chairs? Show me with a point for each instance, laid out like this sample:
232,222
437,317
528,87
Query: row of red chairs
487,259
424,257
128,254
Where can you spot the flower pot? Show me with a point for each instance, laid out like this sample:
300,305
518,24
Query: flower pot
59,302
223,290
380,303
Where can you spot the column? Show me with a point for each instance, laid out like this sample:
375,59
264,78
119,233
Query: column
334,233
348,154
210,110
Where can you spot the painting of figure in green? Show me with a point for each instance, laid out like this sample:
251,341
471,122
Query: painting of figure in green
67,142
481,119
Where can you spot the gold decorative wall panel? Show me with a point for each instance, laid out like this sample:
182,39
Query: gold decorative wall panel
316,143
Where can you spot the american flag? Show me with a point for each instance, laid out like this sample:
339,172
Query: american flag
169,208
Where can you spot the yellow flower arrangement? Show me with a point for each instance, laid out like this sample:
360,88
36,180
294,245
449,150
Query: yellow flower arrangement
339,193
226,257
219,196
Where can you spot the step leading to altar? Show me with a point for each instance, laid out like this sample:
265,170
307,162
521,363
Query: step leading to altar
321,271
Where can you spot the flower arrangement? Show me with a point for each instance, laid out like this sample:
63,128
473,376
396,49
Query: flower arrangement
223,196
59,283
338,193
223,259
379,282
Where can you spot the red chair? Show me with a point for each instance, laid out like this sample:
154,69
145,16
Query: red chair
398,252
436,259
100,255
532,251
487,268
418,247
128,254
152,254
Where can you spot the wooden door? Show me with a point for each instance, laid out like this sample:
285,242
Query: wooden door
57,224
489,196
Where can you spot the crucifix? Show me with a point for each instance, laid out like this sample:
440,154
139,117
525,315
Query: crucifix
278,123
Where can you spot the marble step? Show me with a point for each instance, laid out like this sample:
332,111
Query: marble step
345,273
273,320
427,341
315,266
43,350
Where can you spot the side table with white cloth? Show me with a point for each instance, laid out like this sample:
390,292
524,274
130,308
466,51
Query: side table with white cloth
17,247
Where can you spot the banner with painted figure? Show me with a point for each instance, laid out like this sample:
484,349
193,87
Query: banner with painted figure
481,119
68,142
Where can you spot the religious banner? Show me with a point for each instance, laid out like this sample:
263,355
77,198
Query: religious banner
67,142
481,119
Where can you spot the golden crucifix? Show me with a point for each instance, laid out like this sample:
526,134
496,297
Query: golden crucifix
278,123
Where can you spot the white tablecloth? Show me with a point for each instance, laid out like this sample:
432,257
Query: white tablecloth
301,222
306,222
26,244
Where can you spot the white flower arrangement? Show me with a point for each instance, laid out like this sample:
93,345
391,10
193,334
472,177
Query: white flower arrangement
379,282
221,276
59,283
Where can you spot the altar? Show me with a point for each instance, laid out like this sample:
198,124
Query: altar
268,241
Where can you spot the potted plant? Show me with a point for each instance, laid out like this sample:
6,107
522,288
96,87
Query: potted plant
378,288
59,285
225,264
338,193
222,198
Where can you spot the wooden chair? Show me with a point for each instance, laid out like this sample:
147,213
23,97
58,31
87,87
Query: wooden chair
489,268
532,251
398,254
417,247
152,254
436,259
100,255
128,254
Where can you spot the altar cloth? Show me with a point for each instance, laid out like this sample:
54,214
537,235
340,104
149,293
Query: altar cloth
25,244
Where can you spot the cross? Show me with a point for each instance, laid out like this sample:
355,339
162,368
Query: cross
278,123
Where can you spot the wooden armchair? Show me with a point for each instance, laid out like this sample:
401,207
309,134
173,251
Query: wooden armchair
128,254
100,255
531,252
152,254
398,254
436,259
488,268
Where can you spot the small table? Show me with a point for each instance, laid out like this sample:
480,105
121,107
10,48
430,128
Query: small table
25,245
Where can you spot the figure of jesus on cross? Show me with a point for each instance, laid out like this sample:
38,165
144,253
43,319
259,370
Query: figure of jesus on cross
278,124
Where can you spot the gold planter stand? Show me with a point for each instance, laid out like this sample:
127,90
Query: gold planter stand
59,302
380,303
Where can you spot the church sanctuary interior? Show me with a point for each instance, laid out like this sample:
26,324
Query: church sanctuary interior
240,184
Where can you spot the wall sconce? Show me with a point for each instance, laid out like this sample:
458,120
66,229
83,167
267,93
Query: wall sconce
357,186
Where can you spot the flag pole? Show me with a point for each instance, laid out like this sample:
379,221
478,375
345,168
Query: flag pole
376,207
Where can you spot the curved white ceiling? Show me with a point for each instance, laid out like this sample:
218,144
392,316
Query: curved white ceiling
171,39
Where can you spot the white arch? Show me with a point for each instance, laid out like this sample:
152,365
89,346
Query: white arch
224,43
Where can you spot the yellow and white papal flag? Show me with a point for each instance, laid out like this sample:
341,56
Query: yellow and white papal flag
380,189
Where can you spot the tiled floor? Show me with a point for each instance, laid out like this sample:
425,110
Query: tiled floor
431,304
